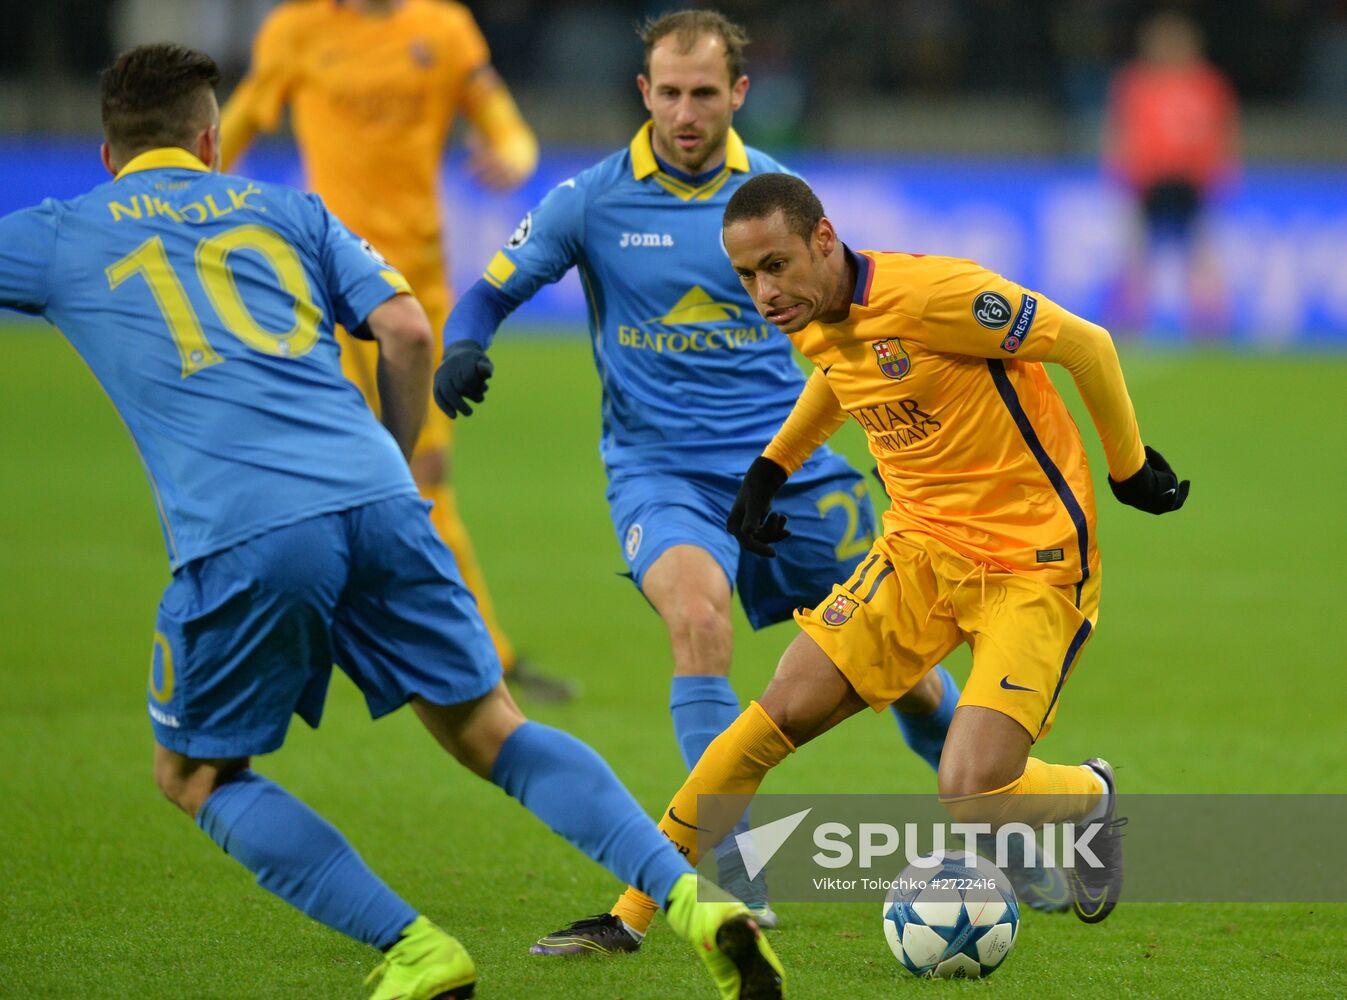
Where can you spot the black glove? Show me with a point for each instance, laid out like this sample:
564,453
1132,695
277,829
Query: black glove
750,519
1154,489
461,376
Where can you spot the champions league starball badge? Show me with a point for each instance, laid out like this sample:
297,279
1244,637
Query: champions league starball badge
521,233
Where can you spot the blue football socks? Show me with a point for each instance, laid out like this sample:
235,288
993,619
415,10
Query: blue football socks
925,734
573,790
702,709
302,858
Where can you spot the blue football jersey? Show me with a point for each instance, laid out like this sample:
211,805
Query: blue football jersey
204,304
693,377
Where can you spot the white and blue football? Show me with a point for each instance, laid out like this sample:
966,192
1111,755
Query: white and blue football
953,917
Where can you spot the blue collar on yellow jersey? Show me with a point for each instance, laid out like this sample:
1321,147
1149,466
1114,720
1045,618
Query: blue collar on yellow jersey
644,164
865,275
157,159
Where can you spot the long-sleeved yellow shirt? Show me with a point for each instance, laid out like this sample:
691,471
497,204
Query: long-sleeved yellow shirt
940,362
372,100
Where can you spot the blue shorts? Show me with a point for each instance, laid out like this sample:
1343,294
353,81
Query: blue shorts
246,637
830,518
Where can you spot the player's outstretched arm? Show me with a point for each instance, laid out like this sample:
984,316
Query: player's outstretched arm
503,149
815,418
406,352
238,126
1138,475
258,101
27,246
544,246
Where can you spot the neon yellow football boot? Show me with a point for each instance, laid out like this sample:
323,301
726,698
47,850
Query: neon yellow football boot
425,964
727,940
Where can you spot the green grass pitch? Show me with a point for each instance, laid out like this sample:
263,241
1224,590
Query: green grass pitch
1217,667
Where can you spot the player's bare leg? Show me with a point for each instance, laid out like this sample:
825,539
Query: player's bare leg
988,776
987,750
689,590
808,695
473,732
187,782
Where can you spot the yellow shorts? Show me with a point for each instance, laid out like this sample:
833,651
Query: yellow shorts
360,358
913,599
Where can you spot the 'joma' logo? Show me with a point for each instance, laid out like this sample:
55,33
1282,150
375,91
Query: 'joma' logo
646,240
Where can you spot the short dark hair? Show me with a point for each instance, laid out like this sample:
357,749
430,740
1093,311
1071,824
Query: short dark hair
690,25
156,95
763,196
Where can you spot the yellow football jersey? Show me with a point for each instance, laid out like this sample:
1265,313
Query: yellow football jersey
939,362
372,100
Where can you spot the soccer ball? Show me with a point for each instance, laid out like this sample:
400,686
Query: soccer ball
953,917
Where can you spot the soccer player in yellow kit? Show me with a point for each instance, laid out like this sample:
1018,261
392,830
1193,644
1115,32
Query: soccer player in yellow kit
374,87
990,538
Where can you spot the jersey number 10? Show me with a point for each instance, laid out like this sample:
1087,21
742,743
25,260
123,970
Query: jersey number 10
217,278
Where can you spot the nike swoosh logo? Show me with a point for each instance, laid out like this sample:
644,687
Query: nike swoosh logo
1005,683
1044,889
690,826
1085,891
1170,492
1098,902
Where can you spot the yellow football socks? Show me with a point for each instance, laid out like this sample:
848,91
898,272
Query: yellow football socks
1044,793
734,764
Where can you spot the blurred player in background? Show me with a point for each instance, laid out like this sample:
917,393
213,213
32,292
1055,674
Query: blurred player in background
990,539
293,526
1172,137
693,388
374,87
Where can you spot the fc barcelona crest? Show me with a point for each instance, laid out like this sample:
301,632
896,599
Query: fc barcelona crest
894,362
839,611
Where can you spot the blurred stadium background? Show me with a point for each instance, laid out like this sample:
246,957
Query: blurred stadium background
968,127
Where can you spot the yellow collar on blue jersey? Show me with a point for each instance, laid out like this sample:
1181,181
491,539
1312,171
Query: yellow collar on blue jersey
644,164
157,159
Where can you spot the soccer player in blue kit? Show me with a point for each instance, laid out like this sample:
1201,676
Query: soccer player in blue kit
204,304
694,385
